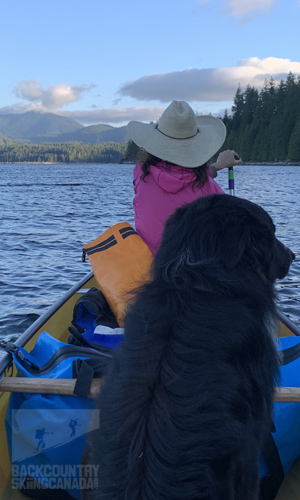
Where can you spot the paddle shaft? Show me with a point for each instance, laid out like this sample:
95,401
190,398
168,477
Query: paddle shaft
66,387
231,181
231,178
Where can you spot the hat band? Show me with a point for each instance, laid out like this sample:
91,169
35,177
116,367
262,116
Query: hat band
178,138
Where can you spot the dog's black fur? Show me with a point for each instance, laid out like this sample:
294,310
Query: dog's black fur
188,400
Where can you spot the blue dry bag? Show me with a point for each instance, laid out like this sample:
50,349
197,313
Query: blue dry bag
46,433
282,446
94,324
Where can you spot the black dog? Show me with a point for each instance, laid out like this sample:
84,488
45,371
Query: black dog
188,399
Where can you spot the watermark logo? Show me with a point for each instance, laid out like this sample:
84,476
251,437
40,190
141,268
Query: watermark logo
54,476
47,446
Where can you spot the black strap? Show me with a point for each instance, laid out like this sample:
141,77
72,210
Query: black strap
270,484
93,302
85,370
76,338
290,354
33,489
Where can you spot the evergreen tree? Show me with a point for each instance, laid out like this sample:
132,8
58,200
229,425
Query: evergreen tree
294,143
131,151
237,109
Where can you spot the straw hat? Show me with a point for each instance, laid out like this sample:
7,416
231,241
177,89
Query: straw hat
180,137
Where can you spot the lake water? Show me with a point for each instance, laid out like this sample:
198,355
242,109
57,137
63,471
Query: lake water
49,211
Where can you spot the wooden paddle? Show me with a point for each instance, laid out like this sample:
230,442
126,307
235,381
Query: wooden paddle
65,386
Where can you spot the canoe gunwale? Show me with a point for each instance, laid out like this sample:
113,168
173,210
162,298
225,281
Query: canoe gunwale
288,323
40,321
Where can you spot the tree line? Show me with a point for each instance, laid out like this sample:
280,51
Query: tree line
69,152
265,126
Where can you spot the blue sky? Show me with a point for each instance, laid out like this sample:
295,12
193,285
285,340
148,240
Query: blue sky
100,61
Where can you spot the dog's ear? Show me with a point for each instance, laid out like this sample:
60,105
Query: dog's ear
248,239
234,240
251,240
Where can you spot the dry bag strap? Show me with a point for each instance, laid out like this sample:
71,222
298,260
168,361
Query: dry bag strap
290,354
270,484
85,370
108,242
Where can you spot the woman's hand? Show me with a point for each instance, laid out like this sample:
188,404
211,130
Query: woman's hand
226,159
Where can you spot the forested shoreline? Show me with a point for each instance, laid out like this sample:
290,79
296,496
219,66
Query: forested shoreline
263,126
69,152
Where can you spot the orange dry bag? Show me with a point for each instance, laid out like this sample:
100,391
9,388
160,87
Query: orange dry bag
121,262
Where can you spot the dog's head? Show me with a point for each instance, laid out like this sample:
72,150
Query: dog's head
224,231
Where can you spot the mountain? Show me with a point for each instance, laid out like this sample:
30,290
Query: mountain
38,128
31,124
94,134
5,141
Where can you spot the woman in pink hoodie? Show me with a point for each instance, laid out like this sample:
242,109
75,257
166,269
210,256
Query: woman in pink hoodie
175,169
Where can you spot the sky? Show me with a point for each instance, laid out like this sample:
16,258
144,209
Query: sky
112,61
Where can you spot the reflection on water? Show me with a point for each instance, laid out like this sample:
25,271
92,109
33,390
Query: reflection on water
49,211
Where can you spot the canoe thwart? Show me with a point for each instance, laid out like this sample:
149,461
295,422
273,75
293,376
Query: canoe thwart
287,395
64,386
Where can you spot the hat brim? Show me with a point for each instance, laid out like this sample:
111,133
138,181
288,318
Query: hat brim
189,153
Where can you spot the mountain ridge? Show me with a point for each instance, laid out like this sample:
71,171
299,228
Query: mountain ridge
38,128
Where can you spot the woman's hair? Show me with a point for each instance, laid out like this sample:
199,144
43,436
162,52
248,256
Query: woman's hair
201,172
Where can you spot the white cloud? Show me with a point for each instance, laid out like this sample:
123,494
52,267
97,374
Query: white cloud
245,10
115,115
55,97
272,65
209,84
29,89
22,107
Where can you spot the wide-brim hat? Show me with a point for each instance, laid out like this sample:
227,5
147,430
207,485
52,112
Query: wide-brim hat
180,137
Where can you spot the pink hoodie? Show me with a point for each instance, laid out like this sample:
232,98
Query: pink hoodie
164,189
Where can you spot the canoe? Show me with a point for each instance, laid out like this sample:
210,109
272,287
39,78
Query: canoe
56,321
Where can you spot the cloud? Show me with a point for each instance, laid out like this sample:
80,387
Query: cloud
202,3
115,115
22,107
55,97
245,10
95,116
208,84
29,89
